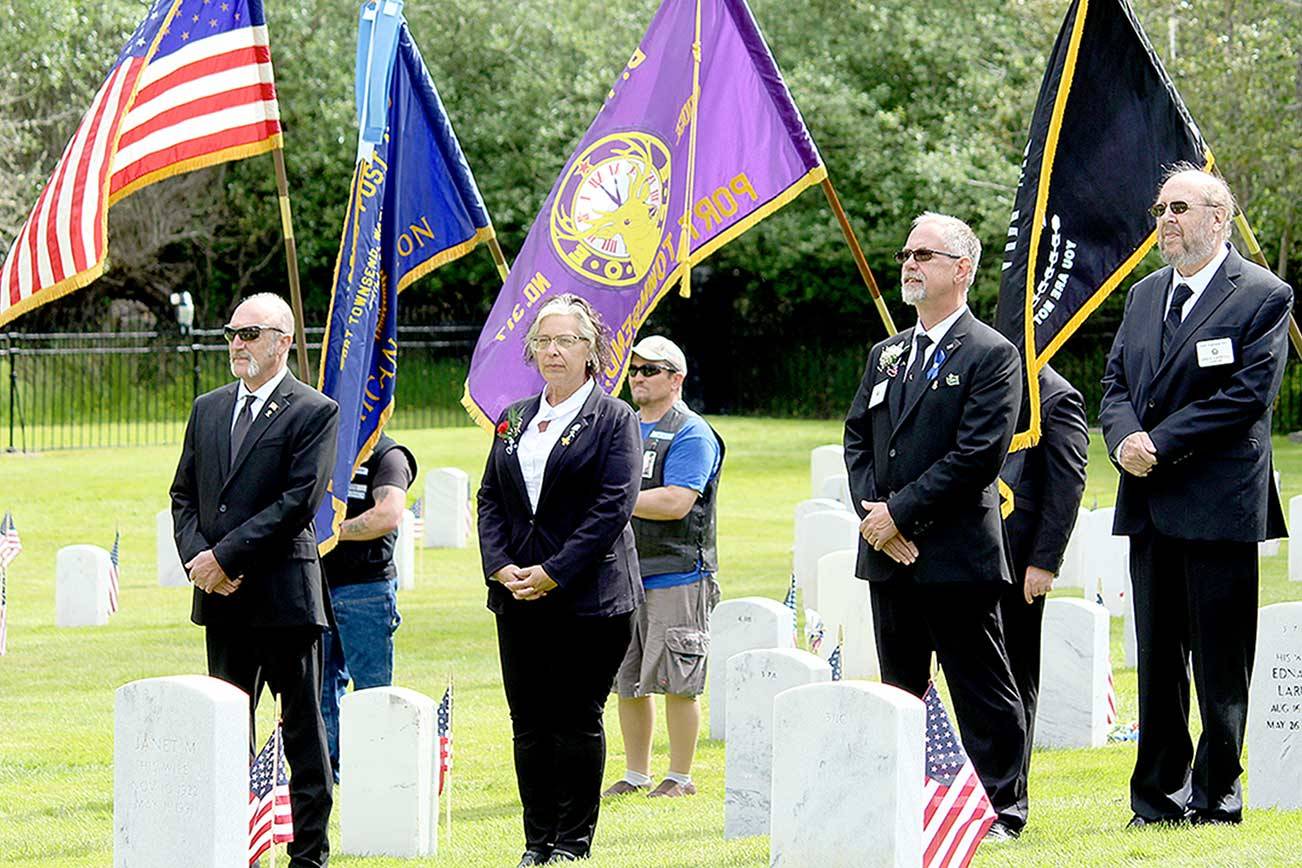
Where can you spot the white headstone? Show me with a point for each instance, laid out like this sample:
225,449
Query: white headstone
1107,563
404,552
816,535
1296,548
744,624
817,504
388,773
447,508
848,768
1071,574
1270,548
1073,710
1275,710
837,487
171,574
81,586
754,679
823,462
843,601
180,773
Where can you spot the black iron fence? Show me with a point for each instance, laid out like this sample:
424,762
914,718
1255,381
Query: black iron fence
133,388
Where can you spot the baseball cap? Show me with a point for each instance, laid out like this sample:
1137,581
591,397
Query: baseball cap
658,348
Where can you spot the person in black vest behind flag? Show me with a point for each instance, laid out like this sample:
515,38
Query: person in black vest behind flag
675,526
364,582
1047,482
1195,367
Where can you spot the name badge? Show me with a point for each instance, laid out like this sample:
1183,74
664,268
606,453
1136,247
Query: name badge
1217,351
878,394
648,463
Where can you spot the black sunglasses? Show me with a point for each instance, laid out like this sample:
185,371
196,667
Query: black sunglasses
922,254
648,370
1177,207
248,334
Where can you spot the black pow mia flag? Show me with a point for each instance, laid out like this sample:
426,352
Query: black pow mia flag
1107,124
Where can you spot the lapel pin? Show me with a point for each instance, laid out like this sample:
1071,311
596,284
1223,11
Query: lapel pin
951,380
934,385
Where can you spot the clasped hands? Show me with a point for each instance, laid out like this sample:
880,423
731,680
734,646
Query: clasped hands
208,576
1137,455
879,531
525,583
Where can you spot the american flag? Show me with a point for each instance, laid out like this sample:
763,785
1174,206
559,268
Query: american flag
790,602
835,662
192,87
1112,689
114,556
270,817
418,512
956,813
445,737
10,544
814,630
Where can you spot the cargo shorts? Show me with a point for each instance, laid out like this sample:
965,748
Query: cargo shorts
671,640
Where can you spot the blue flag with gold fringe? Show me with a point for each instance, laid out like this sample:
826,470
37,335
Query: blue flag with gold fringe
413,207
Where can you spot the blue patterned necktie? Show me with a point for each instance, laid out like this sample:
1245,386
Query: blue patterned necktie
1175,315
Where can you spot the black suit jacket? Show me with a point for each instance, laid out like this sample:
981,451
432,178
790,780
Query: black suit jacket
936,461
581,533
256,513
1048,479
1214,478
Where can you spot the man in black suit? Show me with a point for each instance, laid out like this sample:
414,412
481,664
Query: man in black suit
254,466
924,441
1047,482
1194,369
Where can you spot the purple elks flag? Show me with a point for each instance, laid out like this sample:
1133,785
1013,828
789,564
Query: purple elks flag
610,230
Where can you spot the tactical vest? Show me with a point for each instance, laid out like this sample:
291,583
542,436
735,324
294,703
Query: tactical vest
676,546
354,562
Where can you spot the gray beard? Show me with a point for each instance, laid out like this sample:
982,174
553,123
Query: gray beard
912,293
1196,250
253,369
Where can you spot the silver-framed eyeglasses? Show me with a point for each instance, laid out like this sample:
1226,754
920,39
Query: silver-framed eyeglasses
542,343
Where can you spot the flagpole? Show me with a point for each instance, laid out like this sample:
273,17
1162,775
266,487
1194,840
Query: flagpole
499,258
275,768
291,257
864,271
684,243
1255,254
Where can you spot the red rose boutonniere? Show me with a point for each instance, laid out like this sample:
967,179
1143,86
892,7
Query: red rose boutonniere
508,430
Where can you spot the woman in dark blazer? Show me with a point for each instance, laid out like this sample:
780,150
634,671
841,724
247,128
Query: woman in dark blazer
559,559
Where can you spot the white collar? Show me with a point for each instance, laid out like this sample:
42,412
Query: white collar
939,330
263,392
570,405
1200,279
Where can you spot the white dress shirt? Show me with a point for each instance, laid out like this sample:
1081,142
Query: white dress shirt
259,397
1197,282
535,446
936,333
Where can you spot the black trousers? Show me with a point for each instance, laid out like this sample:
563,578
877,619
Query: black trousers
1192,598
558,670
960,623
288,660
1022,625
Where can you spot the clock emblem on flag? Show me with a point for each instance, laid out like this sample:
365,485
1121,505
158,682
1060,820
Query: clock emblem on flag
609,215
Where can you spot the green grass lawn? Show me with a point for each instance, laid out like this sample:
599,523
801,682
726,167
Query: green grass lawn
56,685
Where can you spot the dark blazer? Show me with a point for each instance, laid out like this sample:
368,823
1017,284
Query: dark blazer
1211,424
256,513
581,533
936,461
1048,479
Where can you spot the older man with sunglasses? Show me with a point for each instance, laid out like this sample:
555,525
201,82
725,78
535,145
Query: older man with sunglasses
1195,368
674,523
925,440
254,466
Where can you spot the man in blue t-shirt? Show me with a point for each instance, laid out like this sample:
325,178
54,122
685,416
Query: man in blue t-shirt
674,522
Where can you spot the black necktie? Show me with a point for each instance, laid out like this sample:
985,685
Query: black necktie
914,377
1175,315
242,423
